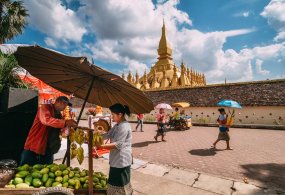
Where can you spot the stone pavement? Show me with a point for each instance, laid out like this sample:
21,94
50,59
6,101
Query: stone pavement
258,156
153,179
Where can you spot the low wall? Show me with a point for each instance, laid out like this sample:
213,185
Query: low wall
257,115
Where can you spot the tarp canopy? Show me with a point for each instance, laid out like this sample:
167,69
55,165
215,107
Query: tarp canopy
181,104
46,92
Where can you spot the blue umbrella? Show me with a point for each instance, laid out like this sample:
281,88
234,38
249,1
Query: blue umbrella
229,103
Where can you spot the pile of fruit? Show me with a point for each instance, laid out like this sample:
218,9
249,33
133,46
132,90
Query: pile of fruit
39,176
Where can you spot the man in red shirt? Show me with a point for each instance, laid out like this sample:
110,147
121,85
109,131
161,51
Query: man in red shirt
43,140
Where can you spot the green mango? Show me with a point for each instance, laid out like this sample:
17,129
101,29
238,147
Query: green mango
65,172
18,180
65,178
44,170
22,174
71,182
45,178
82,179
22,185
75,178
54,168
98,186
103,183
77,184
71,187
24,167
11,182
37,174
10,186
95,180
38,166
58,179
77,175
62,167
71,174
104,178
51,175
65,184
49,182
28,179
37,182
85,185
58,173
76,169
56,184
83,174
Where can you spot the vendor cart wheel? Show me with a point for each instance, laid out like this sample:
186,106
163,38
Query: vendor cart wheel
54,191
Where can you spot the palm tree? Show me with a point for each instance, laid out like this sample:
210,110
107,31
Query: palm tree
9,70
13,19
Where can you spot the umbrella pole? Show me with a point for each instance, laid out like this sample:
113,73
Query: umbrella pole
67,154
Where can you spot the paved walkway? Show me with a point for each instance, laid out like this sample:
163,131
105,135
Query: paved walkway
154,179
258,156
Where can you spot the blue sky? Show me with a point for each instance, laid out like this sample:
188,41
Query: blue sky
241,40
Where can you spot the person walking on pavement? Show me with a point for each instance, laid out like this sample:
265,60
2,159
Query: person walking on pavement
139,122
161,120
223,134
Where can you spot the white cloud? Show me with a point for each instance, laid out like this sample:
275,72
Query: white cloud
136,30
259,69
275,14
55,20
244,14
50,42
280,36
128,32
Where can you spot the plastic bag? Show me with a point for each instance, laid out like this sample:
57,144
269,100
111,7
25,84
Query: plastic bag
8,164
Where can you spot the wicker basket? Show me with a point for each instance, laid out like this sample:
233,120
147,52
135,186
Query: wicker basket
5,176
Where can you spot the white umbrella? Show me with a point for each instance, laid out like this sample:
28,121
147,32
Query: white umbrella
164,106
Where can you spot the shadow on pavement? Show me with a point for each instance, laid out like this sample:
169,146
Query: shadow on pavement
204,152
270,174
143,144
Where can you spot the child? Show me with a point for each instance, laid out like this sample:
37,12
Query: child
121,151
223,134
161,120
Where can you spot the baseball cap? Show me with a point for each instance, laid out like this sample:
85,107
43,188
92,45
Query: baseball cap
64,99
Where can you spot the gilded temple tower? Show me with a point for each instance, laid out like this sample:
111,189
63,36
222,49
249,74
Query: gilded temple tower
164,74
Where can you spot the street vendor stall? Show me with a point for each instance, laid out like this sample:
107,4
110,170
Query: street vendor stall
184,121
77,76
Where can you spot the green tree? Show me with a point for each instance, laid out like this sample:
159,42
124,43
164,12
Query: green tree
8,72
13,19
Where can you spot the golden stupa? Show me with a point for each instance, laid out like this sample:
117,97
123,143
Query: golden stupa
165,74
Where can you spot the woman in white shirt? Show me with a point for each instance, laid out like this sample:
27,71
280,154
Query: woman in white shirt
120,159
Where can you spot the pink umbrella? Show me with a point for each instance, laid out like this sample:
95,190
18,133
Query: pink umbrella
164,106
